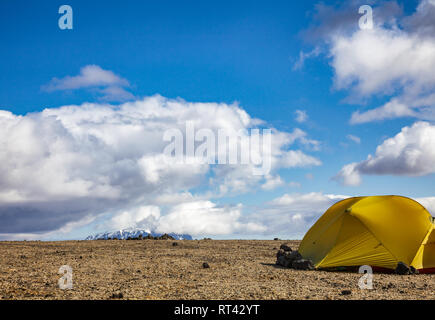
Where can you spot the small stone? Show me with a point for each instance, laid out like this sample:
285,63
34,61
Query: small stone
286,258
205,265
402,269
117,295
281,261
346,292
280,253
292,255
302,264
285,247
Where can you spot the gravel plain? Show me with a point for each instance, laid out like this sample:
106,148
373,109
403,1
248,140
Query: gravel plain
158,269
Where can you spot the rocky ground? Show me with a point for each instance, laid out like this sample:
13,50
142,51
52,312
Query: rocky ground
158,269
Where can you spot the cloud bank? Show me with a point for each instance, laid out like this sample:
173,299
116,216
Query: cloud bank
70,164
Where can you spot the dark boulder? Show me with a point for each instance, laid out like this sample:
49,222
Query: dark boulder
285,247
281,261
280,253
293,255
402,269
346,292
302,264
286,258
117,295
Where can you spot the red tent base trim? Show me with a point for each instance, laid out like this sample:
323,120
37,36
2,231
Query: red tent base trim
426,270
375,270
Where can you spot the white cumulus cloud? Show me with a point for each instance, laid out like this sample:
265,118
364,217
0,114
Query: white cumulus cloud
411,152
106,82
394,60
391,61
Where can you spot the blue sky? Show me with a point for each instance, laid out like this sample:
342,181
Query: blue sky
223,52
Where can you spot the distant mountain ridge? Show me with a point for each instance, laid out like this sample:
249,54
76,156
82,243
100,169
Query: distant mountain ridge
124,234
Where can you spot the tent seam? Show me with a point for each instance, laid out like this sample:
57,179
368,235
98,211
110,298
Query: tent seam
339,230
382,244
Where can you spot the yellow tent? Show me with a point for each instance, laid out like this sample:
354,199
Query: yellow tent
379,231
425,258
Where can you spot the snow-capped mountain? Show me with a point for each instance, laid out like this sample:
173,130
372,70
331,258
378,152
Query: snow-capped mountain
134,233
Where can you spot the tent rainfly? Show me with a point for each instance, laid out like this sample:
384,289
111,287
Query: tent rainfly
379,231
